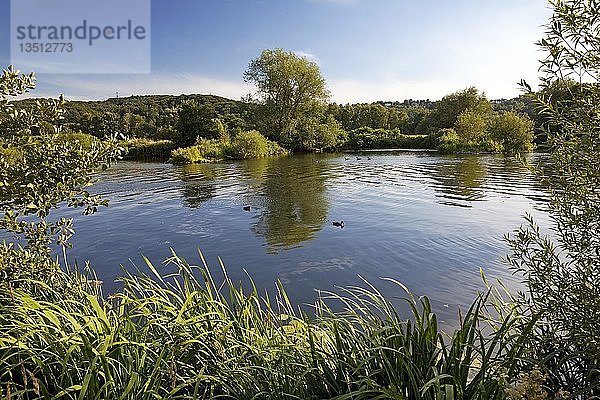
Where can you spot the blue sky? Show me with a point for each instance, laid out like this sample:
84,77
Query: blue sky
367,49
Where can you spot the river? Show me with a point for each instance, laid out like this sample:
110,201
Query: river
427,220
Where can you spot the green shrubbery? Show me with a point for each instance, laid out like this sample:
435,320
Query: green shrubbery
514,132
205,150
505,132
86,141
448,141
249,144
41,168
368,138
465,122
147,149
252,144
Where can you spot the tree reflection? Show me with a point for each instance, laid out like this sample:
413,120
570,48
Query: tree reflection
459,180
198,184
291,193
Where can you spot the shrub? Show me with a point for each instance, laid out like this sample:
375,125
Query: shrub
41,169
448,140
513,131
86,141
561,268
146,149
205,151
471,126
311,134
252,144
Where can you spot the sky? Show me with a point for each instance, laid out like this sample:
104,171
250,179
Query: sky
368,50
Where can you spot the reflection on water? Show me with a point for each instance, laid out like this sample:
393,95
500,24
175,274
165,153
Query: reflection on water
426,220
291,199
460,179
199,183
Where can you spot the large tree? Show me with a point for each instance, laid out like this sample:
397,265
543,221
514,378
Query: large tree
453,105
290,89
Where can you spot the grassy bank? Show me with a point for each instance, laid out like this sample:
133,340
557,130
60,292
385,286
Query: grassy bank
188,336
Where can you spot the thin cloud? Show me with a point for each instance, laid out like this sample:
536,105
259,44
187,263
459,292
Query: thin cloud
309,56
94,87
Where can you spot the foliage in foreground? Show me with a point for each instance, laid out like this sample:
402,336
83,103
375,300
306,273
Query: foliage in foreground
41,167
562,271
186,336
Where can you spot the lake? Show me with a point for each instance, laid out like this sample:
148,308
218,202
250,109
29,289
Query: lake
427,220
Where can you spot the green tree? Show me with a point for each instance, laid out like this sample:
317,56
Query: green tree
290,89
513,131
195,121
451,106
313,134
562,272
397,119
41,168
471,125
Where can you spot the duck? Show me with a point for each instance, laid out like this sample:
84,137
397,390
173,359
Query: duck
338,224
247,208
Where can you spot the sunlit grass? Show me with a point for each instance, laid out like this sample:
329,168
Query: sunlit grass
186,336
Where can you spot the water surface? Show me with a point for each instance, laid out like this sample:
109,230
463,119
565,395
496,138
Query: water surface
429,221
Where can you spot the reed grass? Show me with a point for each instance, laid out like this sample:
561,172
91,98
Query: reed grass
183,336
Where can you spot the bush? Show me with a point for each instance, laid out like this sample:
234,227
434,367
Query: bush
205,151
513,131
448,140
561,267
311,134
146,149
86,141
252,144
471,126
40,170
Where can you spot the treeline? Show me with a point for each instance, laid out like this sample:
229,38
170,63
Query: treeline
157,116
155,125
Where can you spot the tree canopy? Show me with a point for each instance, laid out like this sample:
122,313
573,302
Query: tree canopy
291,90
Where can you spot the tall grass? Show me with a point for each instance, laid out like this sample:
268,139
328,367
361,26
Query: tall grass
185,336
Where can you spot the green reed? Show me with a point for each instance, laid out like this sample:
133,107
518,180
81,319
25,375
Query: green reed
185,336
